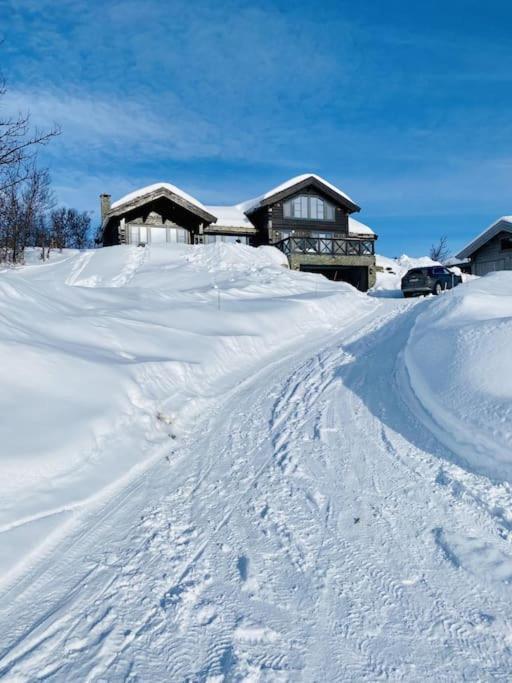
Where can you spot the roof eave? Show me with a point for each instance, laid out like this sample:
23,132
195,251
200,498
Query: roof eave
500,226
340,198
157,194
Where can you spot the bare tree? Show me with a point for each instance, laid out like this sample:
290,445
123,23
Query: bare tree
23,210
18,146
25,193
440,252
70,228
59,228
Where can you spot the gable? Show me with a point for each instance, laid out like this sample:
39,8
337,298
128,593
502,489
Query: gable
163,192
502,225
308,183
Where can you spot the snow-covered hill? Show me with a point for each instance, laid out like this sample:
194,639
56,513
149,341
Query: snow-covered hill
108,353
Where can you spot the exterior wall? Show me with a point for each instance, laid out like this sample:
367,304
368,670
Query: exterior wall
296,260
278,222
157,213
492,257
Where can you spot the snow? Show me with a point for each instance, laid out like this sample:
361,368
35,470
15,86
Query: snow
230,217
234,216
294,481
460,367
100,343
358,228
253,203
141,192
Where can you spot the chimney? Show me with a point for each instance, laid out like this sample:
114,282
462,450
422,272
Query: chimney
105,204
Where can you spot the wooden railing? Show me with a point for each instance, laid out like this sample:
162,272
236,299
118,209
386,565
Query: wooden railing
327,246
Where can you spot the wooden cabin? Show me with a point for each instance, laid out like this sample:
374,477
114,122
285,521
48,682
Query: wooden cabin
492,249
307,218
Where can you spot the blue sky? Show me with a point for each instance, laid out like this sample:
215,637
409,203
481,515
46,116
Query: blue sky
406,106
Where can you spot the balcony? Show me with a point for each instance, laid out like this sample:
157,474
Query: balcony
327,246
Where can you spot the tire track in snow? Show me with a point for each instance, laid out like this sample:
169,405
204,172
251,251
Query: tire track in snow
255,548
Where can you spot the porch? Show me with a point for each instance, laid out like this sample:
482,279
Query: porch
327,246
347,259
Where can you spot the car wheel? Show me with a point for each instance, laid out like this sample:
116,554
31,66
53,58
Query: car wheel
437,288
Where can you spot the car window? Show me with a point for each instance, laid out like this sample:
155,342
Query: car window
418,271
439,271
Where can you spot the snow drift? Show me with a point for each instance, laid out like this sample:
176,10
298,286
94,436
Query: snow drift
108,354
459,363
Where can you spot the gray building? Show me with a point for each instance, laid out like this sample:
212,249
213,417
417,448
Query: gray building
492,249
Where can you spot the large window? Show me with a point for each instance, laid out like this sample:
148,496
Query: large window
232,239
309,208
506,243
143,234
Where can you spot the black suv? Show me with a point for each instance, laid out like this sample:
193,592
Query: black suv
429,280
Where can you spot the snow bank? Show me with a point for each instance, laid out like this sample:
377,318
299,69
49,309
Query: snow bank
108,353
459,363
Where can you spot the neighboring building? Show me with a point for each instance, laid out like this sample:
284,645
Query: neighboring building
307,218
463,265
492,249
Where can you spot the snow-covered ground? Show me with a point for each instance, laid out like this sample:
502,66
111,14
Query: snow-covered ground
110,352
283,502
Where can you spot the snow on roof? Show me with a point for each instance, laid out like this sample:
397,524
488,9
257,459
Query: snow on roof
483,237
253,203
230,216
152,188
454,261
358,228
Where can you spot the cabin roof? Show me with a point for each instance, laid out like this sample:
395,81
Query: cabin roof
231,217
295,184
155,191
358,228
504,224
235,216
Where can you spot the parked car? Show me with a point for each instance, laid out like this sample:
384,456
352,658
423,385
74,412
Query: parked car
429,280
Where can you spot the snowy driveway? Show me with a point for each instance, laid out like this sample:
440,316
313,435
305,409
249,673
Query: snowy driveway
312,529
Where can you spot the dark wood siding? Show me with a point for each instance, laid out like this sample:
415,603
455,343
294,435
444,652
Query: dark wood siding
278,221
259,219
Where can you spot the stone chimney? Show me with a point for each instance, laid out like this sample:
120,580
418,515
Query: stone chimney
105,204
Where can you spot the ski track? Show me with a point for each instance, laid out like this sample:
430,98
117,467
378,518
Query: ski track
311,529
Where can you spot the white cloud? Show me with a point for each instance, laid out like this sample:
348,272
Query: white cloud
115,126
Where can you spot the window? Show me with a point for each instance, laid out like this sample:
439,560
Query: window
233,239
309,208
506,243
